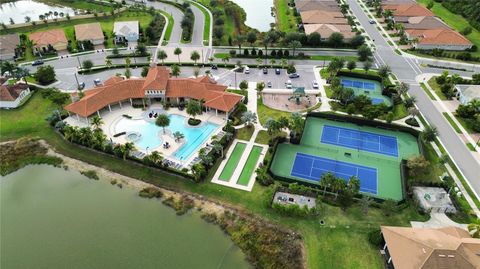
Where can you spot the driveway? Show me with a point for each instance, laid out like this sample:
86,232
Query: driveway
406,70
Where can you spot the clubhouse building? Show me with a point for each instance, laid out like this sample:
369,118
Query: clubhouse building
158,87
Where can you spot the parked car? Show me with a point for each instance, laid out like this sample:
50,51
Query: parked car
214,67
277,71
246,69
371,21
265,70
288,84
97,82
315,84
294,75
81,85
269,84
37,62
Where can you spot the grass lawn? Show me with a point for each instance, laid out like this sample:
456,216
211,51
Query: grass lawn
245,133
79,4
427,91
221,55
328,91
452,123
465,125
263,137
455,21
285,18
264,112
106,23
325,246
171,22
250,165
435,87
470,146
232,162
230,28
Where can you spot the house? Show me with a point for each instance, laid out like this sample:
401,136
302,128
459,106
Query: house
9,46
445,39
48,40
424,23
429,248
90,32
11,96
326,30
126,31
306,5
320,16
158,86
467,93
402,12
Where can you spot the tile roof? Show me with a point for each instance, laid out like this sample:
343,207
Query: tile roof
326,30
320,16
305,5
8,43
438,37
125,28
425,22
49,37
427,248
88,31
408,10
158,78
11,92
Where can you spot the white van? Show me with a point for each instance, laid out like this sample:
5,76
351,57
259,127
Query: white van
288,84
246,69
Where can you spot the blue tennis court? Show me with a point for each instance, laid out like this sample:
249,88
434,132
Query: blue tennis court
311,168
357,84
360,140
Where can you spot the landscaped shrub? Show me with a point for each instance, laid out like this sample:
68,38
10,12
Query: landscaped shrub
194,122
90,174
150,192
412,122
375,237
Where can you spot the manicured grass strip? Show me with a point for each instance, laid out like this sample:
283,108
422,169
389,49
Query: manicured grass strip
450,120
245,133
470,147
171,22
427,91
434,85
249,166
232,162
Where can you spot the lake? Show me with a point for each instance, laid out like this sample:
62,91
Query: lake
20,9
52,218
258,13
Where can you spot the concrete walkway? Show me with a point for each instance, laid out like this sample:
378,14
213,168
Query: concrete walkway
438,220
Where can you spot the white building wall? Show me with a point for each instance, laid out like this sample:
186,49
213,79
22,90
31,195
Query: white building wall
16,103
444,47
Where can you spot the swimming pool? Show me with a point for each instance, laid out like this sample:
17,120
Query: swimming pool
150,134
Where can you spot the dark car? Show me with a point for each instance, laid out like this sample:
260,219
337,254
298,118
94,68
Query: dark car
214,67
269,84
265,70
81,85
294,75
277,71
37,62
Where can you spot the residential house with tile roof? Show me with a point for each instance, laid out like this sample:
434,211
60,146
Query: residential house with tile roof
158,86
424,23
306,5
446,39
11,96
47,40
89,32
320,16
126,31
8,46
429,248
402,12
326,30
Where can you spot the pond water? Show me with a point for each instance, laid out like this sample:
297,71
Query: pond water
52,218
258,13
20,9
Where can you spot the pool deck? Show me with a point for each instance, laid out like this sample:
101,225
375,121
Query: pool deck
110,119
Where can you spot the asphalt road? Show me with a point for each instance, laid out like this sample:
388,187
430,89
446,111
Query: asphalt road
406,70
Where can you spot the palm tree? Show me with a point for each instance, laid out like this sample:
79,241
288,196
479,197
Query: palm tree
366,66
294,45
296,123
127,148
163,121
96,123
272,62
178,136
162,55
217,147
338,185
384,71
259,61
22,73
193,108
108,63
239,40
249,118
326,180
474,230
175,70
196,72
402,88
194,56
99,139
27,19
177,52
225,60
128,61
155,157
283,62
85,136
429,134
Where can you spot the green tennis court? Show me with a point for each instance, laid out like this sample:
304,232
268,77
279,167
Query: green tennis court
232,162
249,166
367,87
388,181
